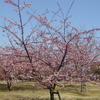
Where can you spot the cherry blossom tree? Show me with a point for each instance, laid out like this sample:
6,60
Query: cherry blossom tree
12,65
48,50
7,72
84,53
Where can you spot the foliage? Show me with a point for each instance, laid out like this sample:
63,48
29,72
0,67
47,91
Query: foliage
52,52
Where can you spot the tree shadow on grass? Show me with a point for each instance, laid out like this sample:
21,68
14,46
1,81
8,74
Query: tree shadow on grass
3,87
17,88
41,99
27,98
44,99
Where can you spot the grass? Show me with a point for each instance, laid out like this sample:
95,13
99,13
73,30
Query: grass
26,91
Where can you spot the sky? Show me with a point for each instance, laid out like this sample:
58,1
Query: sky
85,13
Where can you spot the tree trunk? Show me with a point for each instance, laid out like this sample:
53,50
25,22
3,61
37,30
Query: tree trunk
86,89
82,83
82,87
58,95
51,93
9,84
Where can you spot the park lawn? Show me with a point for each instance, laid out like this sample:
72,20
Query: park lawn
26,91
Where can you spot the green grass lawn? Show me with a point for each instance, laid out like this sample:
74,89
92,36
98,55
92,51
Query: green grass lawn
26,91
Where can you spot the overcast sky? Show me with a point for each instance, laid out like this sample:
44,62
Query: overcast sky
85,13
